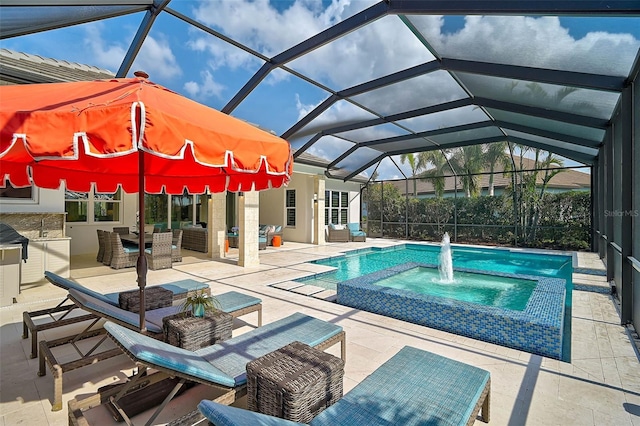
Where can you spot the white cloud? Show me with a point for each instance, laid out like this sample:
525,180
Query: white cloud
157,59
155,56
206,89
528,41
105,55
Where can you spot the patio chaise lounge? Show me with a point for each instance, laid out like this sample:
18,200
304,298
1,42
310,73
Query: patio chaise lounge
414,387
222,366
232,302
180,289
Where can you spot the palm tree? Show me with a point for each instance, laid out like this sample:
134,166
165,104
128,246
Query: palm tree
435,175
416,163
467,162
496,153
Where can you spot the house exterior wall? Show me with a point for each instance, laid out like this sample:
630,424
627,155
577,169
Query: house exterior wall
45,201
273,209
84,238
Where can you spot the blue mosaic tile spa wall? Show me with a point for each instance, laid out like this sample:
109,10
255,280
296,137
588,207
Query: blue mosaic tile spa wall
538,329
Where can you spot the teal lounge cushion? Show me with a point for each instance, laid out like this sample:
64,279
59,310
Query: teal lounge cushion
66,284
164,355
102,308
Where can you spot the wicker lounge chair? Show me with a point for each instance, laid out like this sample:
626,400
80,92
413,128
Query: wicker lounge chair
222,366
414,387
61,315
234,303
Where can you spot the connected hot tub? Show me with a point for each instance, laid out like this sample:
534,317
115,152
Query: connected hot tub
537,329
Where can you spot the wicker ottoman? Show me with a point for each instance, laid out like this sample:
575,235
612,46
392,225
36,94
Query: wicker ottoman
154,298
186,331
295,382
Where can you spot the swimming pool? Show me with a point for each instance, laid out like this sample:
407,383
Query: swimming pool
357,263
365,279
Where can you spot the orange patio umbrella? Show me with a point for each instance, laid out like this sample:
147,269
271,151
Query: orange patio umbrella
135,134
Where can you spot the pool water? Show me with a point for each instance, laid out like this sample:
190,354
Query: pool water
362,262
488,290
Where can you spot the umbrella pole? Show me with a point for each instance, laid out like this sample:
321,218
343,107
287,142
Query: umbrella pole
141,265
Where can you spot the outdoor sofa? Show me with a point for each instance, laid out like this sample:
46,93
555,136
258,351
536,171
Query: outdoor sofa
195,238
414,387
221,366
270,231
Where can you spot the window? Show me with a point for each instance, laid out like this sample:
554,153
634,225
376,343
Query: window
106,207
17,195
155,209
291,207
76,204
337,207
90,207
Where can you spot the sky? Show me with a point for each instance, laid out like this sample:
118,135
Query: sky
208,70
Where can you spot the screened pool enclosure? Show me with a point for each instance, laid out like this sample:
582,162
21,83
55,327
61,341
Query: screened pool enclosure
354,86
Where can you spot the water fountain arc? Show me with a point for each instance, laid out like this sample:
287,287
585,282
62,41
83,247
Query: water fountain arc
445,264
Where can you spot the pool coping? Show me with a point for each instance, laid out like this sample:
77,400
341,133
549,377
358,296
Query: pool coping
537,329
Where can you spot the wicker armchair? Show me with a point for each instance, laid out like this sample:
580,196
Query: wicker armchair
356,233
121,230
337,235
176,246
101,245
121,256
159,255
106,259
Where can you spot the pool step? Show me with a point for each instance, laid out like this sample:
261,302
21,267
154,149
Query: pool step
307,290
589,282
287,285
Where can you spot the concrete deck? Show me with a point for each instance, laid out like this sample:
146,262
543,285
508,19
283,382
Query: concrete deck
601,385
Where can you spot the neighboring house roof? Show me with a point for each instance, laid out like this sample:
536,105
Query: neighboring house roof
568,180
21,68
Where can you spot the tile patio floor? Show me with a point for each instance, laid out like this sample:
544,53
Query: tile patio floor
601,386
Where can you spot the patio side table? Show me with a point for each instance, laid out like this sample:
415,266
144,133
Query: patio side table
233,240
295,382
155,297
188,332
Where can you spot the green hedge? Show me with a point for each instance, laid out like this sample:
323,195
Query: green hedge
564,219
